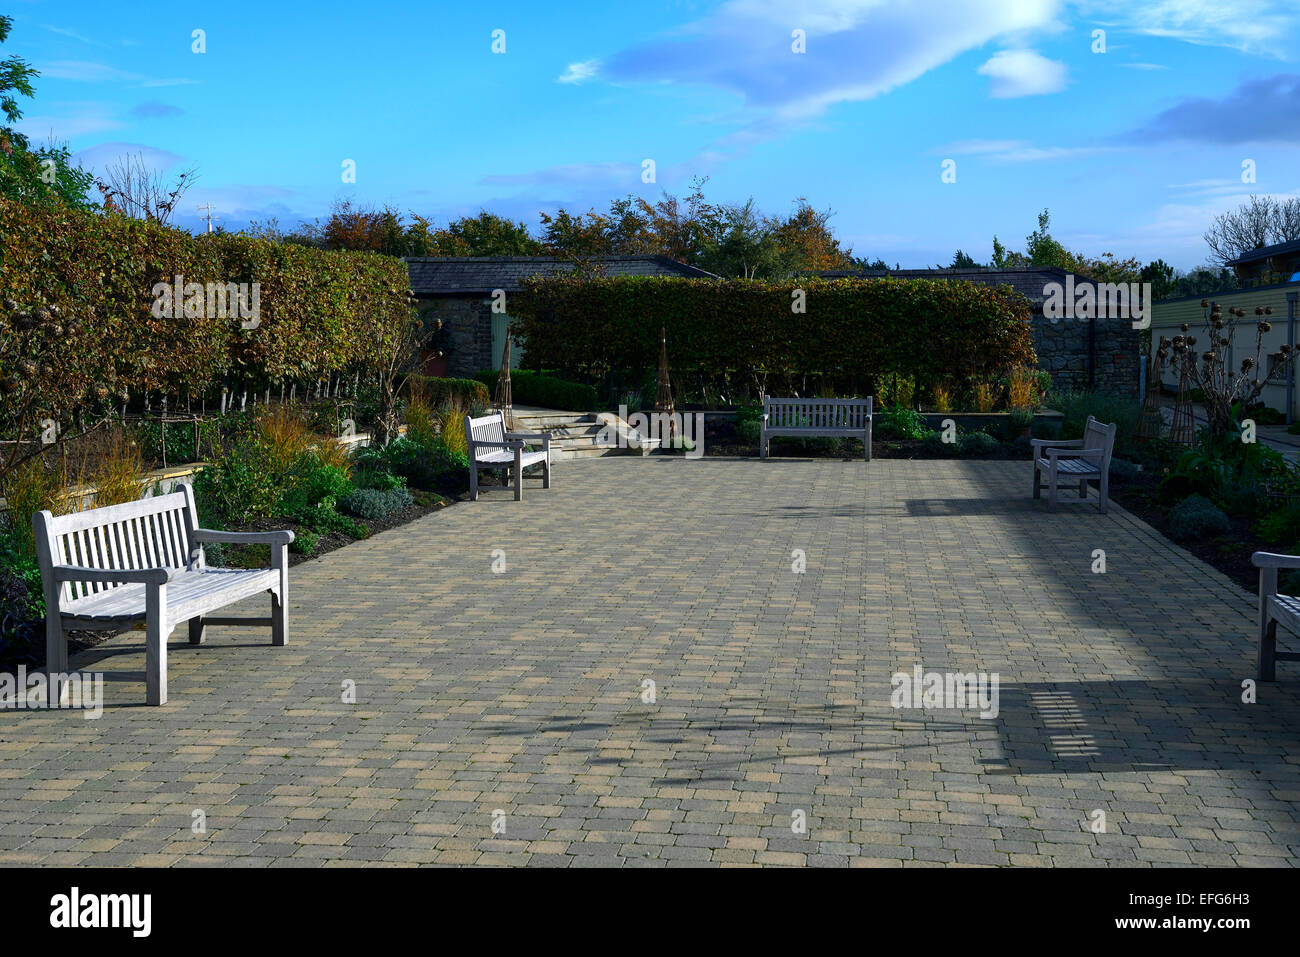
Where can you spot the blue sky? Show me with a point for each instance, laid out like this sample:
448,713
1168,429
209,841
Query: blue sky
1134,149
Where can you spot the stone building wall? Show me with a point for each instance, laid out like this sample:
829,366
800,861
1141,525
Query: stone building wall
466,335
1062,348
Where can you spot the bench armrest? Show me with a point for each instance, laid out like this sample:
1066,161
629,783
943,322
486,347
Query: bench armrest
529,436
1056,443
1055,453
121,576
1274,560
276,537
516,444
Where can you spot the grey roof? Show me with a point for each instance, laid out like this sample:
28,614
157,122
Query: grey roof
480,275
1265,252
1026,280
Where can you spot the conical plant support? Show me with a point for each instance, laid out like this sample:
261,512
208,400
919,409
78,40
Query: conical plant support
503,400
1150,422
1183,428
664,389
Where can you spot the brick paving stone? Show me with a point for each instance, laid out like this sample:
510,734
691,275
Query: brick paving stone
1118,692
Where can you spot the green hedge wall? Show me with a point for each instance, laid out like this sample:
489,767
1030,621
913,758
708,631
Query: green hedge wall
548,392
470,393
321,312
851,331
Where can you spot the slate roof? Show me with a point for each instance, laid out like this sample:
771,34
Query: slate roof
1266,252
480,275
1026,280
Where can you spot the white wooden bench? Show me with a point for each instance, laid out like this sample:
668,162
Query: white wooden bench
832,418
1075,460
143,562
1275,609
492,447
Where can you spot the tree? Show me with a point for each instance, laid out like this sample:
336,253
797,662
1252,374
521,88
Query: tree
486,234
28,175
132,187
1163,278
962,261
1263,221
805,241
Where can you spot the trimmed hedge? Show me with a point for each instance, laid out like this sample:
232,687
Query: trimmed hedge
320,312
532,388
470,393
850,332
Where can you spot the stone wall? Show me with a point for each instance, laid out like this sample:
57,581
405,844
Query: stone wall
1062,348
466,335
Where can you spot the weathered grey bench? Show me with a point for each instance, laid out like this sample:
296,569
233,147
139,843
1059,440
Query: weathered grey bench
492,447
1075,460
832,418
1275,609
107,568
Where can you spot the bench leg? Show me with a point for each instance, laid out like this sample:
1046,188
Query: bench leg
56,657
762,445
546,472
1038,482
473,481
155,649
280,597
198,630
519,475
1083,489
866,443
1267,650
1103,492
1051,489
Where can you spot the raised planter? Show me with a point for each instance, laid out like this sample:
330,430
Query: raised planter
986,421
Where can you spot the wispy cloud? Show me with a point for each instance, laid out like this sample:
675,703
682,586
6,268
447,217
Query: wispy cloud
1252,26
72,120
65,32
1018,151
86,71
1018,73
104,154
579,72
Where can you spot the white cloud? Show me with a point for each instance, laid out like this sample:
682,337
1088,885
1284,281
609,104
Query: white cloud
79,119
1017,151
1023,73
1252,26
578,72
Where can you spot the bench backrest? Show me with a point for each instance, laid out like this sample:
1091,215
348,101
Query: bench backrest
486,428
817,413
1099,435
155,532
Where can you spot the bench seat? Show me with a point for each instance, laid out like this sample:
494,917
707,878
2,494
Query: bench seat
189,593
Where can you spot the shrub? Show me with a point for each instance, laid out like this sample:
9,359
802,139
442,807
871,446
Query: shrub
22,610
985,397
1124,471
749,423
1022,388
1076,406
285,436
470,393
370,503
451,420
239,484
898,422
933,444
1280,526
114,469
29,488
548,392
317,480
976,444
942,399
1196,518
421,422
304,542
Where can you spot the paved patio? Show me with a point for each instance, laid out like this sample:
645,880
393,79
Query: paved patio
522,693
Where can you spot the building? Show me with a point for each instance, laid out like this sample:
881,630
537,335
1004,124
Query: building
1269,265
1095,352
1169,316
459,291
